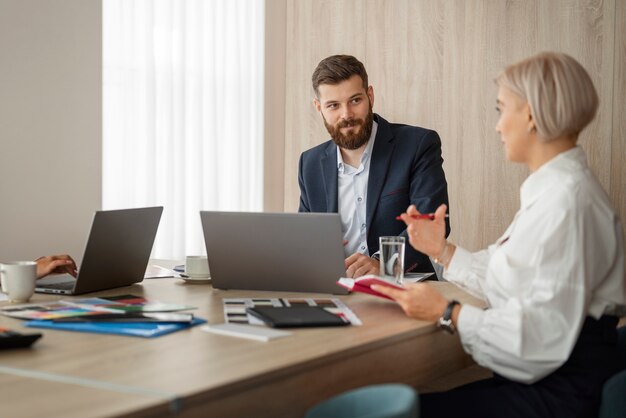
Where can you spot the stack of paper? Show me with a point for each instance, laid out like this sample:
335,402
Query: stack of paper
122,315
251,332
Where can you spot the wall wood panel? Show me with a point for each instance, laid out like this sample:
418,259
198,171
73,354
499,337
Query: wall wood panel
274,118
618,138
432,63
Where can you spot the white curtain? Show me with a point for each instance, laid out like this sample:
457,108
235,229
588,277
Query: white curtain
183,111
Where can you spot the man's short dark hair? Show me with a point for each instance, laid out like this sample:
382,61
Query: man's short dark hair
337,68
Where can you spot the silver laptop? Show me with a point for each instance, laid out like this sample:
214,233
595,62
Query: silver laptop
116,255
295,252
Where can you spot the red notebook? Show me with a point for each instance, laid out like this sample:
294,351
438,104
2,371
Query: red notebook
362,284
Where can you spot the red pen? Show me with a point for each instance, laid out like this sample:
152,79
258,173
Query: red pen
430,216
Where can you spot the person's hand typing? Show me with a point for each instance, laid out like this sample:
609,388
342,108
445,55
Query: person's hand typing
55,264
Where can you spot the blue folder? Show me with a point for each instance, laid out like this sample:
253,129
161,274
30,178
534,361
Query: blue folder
135,329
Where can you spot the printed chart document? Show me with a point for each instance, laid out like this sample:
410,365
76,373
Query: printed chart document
363,284
235,308
122,315
89,306
416,277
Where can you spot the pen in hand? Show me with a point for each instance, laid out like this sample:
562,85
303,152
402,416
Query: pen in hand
430,216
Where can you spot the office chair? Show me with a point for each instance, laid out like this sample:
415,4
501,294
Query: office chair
613,403
376,401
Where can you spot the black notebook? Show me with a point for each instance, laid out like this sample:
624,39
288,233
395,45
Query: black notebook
297,316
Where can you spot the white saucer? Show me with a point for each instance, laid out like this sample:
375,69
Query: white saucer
190,279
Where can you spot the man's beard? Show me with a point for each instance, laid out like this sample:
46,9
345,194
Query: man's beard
351,140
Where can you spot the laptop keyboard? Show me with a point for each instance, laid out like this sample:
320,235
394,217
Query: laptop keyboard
62,286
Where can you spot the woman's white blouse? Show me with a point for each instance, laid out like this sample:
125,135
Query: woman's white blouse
560,260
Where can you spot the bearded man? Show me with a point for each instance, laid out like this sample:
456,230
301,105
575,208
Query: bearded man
371,170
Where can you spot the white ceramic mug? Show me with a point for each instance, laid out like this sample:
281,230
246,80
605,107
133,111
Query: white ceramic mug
197,266
18,280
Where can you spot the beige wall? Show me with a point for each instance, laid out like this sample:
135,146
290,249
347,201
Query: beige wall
274,132
432,63
50,125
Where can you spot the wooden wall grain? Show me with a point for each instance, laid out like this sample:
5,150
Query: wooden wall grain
432,63
618,135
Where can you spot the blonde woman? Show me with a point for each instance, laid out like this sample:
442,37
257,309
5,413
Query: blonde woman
554,279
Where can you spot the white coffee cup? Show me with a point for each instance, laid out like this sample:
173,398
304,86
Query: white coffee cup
197,266
18,280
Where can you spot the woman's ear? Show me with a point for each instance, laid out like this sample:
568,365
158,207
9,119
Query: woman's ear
531,120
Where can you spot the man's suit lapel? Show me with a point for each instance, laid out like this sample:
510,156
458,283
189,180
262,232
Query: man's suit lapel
329,170
379,166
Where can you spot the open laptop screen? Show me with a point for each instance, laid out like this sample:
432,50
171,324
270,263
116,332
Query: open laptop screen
300,252
116,254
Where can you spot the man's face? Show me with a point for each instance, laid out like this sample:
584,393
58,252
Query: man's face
346,109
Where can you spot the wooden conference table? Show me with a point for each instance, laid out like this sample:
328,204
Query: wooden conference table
194,373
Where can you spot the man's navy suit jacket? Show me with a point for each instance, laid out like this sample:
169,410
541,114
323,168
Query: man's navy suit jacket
406,168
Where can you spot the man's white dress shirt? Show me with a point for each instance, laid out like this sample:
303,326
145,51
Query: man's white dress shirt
560,260
352,198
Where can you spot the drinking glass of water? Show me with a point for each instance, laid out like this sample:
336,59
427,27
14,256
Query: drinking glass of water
392,258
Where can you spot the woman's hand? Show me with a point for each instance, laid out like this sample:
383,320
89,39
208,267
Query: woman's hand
419,300
55,264
425,235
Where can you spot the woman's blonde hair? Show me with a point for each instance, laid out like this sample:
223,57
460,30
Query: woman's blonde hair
558,89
